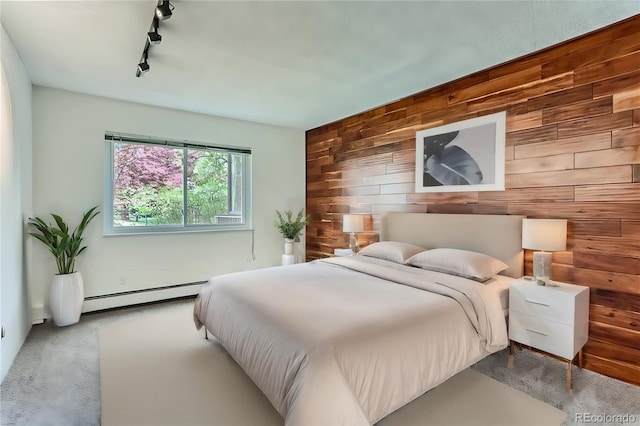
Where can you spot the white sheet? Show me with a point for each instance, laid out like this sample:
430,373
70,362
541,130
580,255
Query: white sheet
349,340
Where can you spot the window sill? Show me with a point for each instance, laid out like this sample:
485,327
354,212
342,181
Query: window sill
175,231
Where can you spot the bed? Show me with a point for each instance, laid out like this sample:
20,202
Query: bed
348,340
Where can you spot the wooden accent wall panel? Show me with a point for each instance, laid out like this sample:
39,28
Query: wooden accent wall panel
572,151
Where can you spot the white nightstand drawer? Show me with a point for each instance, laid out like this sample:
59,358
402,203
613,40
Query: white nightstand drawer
551,303
543,334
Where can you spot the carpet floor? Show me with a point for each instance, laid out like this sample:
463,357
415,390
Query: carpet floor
54,379
159,371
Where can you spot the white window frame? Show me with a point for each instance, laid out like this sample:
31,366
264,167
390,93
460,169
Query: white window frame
108,229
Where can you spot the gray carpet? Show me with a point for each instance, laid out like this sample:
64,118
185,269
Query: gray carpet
545,379
55,377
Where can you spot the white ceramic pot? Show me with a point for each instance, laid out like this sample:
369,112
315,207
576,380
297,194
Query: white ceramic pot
65,298
288,245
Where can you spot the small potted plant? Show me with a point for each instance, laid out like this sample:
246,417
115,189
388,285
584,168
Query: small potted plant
291,227
67,289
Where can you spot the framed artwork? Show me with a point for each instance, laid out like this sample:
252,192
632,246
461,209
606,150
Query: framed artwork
463,156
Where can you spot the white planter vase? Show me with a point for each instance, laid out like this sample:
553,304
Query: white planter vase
288,245
65,298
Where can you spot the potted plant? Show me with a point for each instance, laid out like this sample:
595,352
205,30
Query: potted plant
67,289
291,227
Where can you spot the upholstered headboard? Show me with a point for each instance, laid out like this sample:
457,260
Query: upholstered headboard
499,236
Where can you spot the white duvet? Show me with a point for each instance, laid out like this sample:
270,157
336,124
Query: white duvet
346,341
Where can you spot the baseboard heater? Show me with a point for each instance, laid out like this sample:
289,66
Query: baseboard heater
137,297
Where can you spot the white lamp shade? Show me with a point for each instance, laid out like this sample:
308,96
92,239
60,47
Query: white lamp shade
352,223
544,234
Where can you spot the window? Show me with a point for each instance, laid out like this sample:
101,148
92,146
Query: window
171,186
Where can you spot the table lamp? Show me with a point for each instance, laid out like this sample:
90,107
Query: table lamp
353,223
546,235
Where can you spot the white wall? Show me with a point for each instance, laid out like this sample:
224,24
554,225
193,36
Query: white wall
68,178
15,201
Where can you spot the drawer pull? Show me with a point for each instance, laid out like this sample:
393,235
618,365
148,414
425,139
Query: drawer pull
537,332
537,303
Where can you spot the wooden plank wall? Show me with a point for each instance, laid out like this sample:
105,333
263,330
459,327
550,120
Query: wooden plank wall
572,151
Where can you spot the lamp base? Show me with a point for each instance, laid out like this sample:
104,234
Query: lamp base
542,267
353,243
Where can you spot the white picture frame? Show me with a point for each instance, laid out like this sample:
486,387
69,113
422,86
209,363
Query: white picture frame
463,156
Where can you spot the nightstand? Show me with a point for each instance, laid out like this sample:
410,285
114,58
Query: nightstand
552,319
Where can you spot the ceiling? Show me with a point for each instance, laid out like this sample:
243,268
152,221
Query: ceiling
295,64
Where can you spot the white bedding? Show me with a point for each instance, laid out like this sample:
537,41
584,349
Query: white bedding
500,285
349,340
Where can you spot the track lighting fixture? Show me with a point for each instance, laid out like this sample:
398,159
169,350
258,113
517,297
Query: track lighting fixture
162,12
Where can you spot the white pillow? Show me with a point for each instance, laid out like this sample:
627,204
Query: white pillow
467,264
394,251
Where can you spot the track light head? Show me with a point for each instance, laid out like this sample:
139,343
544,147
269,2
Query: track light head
143,66
163,12
154,37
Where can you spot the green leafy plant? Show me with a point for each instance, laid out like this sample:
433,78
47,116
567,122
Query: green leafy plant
65,247
288,226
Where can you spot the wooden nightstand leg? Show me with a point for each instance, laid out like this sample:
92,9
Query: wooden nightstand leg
580,358
569,382
512,346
